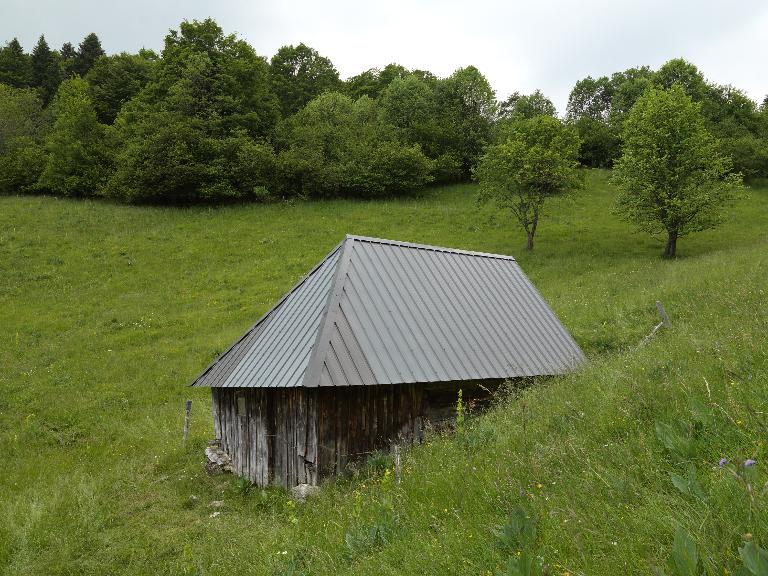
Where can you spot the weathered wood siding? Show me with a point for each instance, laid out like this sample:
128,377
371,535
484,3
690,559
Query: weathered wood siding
290,436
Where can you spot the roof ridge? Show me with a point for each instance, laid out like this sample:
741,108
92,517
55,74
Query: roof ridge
269,312
373,240
323,339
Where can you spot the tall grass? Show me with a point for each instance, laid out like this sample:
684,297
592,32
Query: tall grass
108,311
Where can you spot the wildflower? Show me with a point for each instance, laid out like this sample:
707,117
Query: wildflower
723,462
749,463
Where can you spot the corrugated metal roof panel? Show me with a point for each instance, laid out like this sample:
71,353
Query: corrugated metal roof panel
275,351
381,312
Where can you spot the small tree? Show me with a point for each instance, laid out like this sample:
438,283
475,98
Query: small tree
79,148
672,176
535,159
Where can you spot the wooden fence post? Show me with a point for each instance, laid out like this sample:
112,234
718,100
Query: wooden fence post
187,410
663,314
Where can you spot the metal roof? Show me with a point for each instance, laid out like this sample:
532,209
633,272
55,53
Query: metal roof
384,312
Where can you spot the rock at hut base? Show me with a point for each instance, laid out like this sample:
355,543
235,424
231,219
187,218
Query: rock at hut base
302,491
218,460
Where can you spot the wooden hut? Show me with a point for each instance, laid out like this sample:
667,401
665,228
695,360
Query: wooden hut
376,340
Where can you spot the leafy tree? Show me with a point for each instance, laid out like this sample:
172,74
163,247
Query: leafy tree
114,80
737,122
338,147
467,111
522,107
589,110
21,114
598,108
87,53
15,65
686,75
299,74
79,148
46,72
23,125
373,82
536,159
600,142
363,84
627,87
228,82
749,154
592,98
410,105
390,73
178,161
672,176
193,133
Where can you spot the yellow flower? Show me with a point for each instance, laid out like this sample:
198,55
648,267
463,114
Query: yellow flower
539,485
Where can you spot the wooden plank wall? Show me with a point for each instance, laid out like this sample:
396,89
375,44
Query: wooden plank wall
290,436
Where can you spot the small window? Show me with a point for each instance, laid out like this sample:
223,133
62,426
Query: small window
241,405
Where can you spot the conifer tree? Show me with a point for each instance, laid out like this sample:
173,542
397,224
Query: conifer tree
67,60
46,75
89,51
15,68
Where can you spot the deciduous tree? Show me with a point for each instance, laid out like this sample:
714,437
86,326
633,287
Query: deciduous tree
23,126
79,147
194,133
672,176
374,81
525,106
114,80
467,106
338,147
536,159
299,74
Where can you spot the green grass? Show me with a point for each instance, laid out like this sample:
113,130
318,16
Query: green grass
107,312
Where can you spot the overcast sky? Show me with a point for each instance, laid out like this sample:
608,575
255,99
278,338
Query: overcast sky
519,46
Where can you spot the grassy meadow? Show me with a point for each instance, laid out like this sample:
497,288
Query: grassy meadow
107,312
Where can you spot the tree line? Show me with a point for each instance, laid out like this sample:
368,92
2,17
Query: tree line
599,107
210,120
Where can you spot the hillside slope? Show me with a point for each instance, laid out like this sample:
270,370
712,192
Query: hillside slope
107,312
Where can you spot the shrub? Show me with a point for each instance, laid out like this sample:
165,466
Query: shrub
338,147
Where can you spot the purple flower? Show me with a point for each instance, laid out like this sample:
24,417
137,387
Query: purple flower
749,463
723,462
